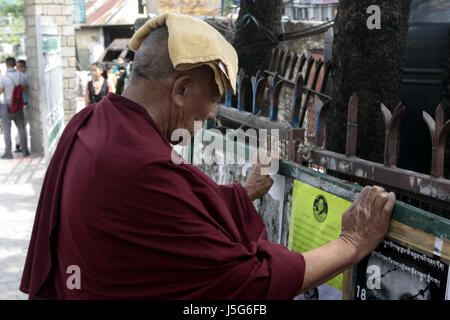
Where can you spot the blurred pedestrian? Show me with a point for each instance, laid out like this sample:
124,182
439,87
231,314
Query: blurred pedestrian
99,86
8,82
121,75
21,66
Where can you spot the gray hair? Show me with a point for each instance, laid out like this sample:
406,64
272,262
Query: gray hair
152,59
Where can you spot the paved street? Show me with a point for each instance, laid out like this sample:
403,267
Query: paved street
20,185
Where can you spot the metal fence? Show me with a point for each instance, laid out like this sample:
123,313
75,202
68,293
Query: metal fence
309,100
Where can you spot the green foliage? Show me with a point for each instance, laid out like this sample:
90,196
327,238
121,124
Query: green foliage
15,7
227,7
12,20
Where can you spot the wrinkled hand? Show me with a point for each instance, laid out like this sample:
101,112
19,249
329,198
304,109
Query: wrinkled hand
366,221
258,181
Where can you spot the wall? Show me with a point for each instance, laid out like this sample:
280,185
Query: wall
301,46
59,13
304,44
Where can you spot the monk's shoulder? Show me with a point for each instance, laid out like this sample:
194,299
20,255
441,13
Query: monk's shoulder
165,173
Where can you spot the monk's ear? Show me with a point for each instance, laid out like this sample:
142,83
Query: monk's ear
181,89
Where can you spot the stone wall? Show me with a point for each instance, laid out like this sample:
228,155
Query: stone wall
303,46
59,13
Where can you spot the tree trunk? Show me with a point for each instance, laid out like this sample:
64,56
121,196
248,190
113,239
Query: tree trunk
445,98
369,63
257,30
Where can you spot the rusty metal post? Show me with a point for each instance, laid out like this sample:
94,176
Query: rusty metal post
302,63
439,131
392,126
241,85
304,108
259,83
308,69
297,101
275,84
286,64
279,67
326,74
296,137
229,98
320,136
352,126
294,63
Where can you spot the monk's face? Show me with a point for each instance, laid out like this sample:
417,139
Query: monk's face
199,100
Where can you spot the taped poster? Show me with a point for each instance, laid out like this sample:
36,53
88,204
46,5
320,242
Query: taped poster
277,194
316,219
396,272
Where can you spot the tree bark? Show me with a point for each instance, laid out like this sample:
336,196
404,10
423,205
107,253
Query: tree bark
369,63
254,40
445,98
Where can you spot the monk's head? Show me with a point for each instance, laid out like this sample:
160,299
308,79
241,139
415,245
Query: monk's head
174,99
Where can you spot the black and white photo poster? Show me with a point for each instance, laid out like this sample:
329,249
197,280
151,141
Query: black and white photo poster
395,272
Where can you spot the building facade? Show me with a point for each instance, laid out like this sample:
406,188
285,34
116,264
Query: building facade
58,14
311,10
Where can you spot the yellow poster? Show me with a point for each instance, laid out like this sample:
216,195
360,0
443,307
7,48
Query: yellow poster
316,219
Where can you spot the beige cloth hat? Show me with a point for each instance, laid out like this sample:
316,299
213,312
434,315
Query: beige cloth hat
193,43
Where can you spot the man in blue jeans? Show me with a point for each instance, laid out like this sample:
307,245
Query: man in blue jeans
11,79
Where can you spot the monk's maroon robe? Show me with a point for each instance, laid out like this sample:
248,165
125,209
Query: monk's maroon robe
138,226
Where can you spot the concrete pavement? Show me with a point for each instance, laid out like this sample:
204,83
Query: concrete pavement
20,186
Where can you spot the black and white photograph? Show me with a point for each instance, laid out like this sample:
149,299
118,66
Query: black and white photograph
395,272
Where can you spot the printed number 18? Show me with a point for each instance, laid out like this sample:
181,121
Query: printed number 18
363,293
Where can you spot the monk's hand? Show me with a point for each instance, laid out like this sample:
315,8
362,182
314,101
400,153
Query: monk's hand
366,221
259,181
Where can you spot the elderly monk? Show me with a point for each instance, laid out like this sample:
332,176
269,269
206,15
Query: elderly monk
117,219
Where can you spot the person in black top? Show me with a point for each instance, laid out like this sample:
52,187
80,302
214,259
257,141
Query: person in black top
99,86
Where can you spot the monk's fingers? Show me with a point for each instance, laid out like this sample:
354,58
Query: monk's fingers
362,195
369,200
386,211
258,158
378,206
264,157
268,182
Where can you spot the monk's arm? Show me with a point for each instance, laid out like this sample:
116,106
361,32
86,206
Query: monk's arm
364,225
326,262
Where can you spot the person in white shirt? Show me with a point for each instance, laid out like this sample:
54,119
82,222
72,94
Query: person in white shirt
11,79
